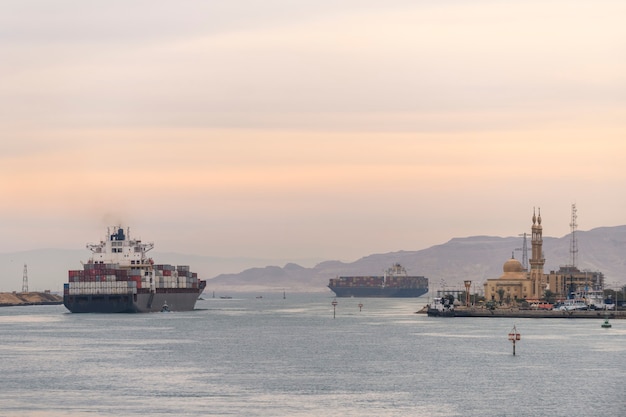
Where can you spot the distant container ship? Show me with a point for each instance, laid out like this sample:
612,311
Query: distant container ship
395,283
121,278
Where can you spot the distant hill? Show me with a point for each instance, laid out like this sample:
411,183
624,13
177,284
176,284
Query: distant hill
476,258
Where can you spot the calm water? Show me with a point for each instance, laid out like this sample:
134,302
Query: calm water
275,357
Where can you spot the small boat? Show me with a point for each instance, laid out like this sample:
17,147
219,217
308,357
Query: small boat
226,297
606,324
440,307
165,308
573,304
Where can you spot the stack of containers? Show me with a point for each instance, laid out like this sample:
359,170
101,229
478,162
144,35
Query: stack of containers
111,279
101,279
166,276
169,276
364,281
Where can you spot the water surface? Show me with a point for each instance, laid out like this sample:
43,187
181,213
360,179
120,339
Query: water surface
288,357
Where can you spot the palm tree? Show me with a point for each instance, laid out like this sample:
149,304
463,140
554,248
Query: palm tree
501,294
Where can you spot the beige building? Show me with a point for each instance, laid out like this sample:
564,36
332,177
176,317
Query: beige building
517,283
514,284
570,280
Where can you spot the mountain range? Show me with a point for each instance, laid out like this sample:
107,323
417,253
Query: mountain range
475,258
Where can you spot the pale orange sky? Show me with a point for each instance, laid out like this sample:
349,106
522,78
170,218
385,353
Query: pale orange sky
308,130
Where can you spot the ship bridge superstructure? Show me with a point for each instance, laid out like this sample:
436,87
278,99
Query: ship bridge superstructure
396,270
119,248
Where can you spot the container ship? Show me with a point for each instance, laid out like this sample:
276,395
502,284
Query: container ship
394,283
120,278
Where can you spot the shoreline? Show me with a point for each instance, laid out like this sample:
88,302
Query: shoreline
14,299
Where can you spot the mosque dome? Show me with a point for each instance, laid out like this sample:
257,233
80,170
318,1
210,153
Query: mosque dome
512,265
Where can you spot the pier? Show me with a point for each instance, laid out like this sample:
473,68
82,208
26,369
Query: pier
460,311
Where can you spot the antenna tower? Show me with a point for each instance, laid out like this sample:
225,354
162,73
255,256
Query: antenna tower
524,250
25,280
573,249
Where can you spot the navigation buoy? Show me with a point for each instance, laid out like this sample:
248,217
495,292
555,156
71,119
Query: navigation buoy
360,306
514,336
334,303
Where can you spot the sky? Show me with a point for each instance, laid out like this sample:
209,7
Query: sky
308,129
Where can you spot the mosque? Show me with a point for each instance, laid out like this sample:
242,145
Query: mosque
517,283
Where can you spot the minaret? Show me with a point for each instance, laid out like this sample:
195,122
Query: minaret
537,261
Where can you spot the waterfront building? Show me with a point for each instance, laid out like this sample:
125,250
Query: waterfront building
569,280
513,285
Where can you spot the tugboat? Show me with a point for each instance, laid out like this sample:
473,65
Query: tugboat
441,307
120,278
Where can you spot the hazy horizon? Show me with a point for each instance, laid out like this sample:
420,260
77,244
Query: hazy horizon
310,129
47,268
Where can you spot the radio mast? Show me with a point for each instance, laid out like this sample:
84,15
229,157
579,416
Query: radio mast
524,250
573,249
25,280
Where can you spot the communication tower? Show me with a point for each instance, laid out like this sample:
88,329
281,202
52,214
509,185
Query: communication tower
524,250
573,249
25,280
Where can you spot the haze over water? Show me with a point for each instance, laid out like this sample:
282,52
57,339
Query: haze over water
289,357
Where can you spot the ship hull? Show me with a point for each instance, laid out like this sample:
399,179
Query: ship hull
371,292
131,303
